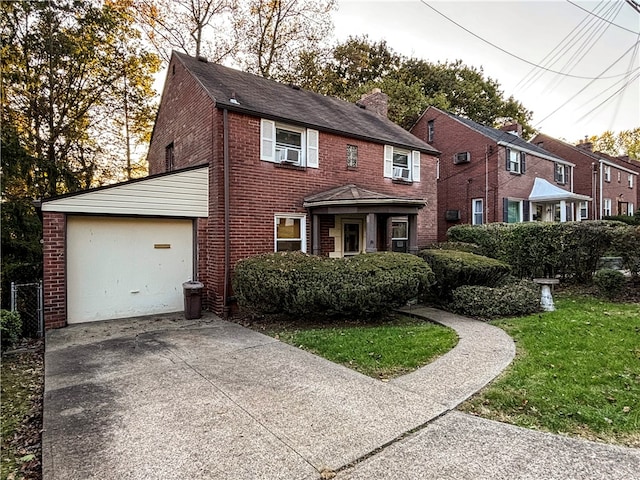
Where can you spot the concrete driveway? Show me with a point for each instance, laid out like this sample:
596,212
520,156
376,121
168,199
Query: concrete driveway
162,398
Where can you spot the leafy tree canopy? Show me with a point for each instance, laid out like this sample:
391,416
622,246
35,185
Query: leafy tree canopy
626,142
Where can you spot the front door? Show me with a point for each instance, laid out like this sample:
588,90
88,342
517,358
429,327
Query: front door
351,237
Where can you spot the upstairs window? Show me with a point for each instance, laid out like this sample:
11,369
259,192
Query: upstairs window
288,144
352,156
630,181
169,158
431,130
561,174
515,161
400,164
607,173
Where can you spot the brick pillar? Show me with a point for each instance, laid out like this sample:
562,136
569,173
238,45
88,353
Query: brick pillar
54,262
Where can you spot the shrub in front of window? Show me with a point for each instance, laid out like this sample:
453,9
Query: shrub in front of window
457,246
454,269
609,282
11,328
516,299
365,285
627,245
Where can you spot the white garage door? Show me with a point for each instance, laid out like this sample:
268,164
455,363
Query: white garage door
124,267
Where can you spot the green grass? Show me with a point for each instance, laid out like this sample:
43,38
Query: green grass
577,371
21,419
381,351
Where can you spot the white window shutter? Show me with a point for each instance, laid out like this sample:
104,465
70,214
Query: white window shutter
415,165
312,148
388,161
268,140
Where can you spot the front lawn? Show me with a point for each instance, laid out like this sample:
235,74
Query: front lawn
384,350
577,372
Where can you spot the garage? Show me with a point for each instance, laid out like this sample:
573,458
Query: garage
123,267
123,250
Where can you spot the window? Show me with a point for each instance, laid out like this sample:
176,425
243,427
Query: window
290,233
514,211
288,144
478,211
619,177
400,235
462,157
400,164
606,207
631,210
584,210
430,130
630,181
352,156
169,158
607,173
515,161
351,237
561,174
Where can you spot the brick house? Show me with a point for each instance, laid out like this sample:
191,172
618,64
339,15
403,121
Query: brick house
493,175
611,181
239,165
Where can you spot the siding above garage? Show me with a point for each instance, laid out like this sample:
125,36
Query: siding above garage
182,193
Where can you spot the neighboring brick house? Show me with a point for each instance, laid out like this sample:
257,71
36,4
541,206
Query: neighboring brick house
493,175
279,169
611,181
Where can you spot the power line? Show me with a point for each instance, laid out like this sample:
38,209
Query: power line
516,56
635,6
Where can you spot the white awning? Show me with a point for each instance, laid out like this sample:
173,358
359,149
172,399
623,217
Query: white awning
543,191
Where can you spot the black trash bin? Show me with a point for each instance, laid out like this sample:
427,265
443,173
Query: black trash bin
192,299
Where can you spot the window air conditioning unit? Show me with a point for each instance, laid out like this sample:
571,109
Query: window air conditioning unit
452,215
401,173
462,157
288,155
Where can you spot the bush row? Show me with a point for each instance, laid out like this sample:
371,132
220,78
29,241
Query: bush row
300,284
539,249
519,298
453,269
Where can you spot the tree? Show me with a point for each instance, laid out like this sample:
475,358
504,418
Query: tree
626,142
195,27
273,33
62,84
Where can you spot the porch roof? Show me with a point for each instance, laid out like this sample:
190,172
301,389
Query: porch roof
352,195
543,191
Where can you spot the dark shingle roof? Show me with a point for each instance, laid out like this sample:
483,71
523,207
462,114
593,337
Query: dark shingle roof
269,99
501,136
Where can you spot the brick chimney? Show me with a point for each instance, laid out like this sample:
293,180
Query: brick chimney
376,101
514,128
585,145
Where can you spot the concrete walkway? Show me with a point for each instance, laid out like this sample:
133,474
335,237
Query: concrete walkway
161,397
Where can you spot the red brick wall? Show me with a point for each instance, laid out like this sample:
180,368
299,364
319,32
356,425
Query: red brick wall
185,118
54,281
485,176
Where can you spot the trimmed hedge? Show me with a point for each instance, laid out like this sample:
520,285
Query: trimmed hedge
369,284
609,282
627,245
457,246
454,269
520,298
541,249
10,328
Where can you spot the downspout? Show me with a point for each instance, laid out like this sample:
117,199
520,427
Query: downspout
485,208
601,172
227,226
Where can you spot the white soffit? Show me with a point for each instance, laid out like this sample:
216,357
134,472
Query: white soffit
179,194
543,191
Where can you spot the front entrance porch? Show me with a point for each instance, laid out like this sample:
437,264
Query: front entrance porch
349,220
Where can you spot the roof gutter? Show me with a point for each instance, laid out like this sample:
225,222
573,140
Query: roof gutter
537,154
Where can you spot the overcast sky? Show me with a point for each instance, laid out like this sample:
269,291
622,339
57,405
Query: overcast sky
530,29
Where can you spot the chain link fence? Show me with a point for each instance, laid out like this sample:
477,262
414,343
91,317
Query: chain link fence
26,298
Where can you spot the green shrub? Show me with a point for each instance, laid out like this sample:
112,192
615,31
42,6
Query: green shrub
453,269
458,246
11,328
542,249
628,219
627,245
516,299
609,282
300,284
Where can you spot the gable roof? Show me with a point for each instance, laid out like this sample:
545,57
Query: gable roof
505,138
255,95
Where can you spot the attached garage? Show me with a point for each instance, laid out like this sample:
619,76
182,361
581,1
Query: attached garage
127,248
